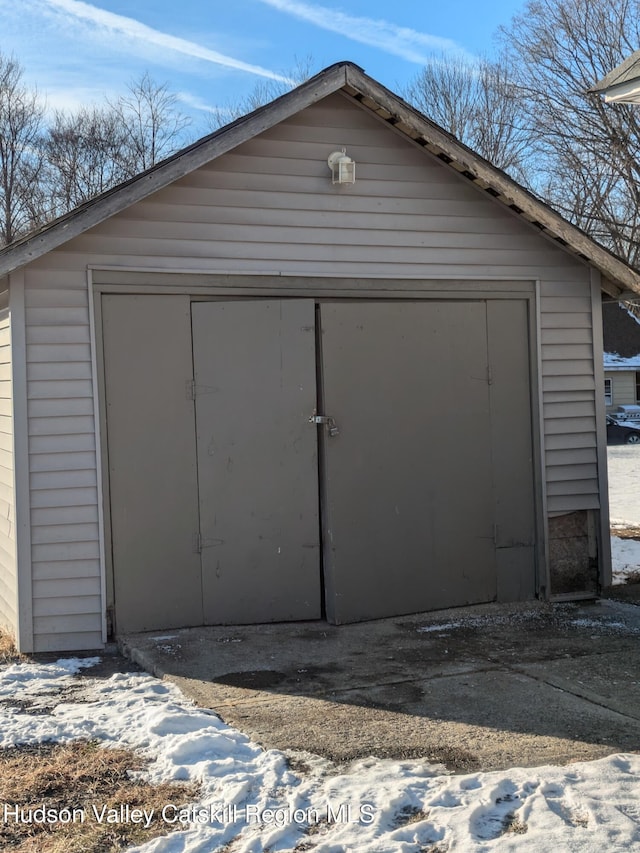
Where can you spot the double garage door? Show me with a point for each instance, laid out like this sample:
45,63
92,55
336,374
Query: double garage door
285,459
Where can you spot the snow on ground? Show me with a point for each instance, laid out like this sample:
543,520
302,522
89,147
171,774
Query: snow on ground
624,484
624,507
252,797
625,557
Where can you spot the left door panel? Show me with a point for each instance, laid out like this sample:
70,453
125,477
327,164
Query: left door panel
153,482
255,373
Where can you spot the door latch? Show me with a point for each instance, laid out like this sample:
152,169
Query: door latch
326,420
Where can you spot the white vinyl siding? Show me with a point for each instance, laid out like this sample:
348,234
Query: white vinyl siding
269,207
8,562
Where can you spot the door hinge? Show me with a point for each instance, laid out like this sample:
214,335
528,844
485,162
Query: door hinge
197,543
190,387
489,375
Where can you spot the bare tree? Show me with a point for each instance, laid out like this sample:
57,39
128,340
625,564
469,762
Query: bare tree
95,148
21,113
83,156
586,155
152,124
478,103
262,93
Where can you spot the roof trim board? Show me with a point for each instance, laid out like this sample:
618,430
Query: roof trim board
627,72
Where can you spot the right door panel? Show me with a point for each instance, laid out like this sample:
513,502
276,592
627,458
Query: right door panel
409,505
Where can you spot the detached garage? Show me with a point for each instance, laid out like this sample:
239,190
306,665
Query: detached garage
249,387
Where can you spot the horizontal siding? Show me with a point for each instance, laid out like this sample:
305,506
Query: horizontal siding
429,258
326,267
623,386
573,472
61,370
269,207
47,534
8,560
65,570
569,396
67,602
68,497
73,622
412,219
53,428
66,588
573,456
66,641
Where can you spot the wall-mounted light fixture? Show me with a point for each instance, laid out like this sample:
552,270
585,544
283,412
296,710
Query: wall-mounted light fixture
343,168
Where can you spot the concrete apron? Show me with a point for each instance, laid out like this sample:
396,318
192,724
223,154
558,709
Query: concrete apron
476,688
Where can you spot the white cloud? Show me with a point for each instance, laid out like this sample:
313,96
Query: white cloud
120,25
409,44
197,103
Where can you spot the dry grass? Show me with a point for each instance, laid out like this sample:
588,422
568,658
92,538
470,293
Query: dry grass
408,815
80,775
514,825
8,651
626,532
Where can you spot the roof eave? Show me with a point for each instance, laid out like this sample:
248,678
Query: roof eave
617,274
623,93
626,71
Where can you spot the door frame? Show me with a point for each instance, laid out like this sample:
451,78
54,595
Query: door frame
225,286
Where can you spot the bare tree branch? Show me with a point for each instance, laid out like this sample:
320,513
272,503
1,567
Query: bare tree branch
21,114
152,124
478,104
585,155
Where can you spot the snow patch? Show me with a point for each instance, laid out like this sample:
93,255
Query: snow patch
625,557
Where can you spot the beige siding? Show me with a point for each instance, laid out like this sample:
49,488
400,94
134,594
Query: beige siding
623,384
8,562
67,605
269,207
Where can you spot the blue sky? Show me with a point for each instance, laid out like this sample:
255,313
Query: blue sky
212,52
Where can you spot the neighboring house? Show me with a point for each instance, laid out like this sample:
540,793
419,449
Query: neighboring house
622,85
621,327
234,390
621,356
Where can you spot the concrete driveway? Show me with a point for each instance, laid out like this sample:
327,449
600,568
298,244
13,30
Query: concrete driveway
484,687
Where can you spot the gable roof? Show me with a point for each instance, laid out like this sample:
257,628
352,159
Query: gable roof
351,80
622,85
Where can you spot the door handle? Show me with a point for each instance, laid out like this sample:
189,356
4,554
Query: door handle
325,420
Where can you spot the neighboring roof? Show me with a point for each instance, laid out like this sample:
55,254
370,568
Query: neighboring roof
347,78
622,85
613,361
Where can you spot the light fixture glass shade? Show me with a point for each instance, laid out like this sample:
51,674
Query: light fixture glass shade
343,168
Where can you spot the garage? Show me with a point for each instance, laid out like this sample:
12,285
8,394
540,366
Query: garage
286,459
246,386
